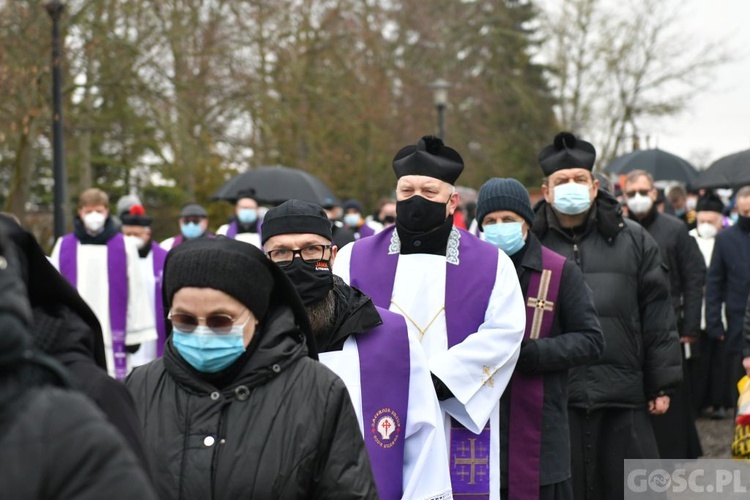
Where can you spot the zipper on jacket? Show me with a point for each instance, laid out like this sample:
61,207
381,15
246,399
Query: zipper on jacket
576,254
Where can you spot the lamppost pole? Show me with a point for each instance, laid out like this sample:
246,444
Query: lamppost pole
440,92
55,9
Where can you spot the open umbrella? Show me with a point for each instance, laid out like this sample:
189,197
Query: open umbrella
274,185
663,166
731,171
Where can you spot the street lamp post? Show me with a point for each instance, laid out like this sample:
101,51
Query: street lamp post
55,9
440,92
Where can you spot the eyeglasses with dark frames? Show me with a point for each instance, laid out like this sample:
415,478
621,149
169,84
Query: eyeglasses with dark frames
217,323
285,256
642,192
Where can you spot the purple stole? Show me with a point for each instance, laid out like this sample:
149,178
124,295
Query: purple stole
158,255
177,240
527,391
468,287
232,229
117,275
364,231
384,365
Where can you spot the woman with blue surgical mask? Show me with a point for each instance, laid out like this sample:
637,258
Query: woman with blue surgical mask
238,388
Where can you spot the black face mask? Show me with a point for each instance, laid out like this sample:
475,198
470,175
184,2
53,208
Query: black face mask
418,214
311,280
743,223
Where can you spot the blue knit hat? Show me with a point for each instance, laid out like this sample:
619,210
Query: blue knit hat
504,194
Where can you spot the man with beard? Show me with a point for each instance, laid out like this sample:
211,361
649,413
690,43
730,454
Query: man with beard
675,431
98,261
136,226
461,300
384,370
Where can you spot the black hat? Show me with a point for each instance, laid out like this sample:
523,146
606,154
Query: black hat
504,194
352,204
192,209
136,217
429,157
296,216
709,202
221,263
566,151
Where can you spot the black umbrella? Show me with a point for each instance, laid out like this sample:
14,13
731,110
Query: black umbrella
661,165
274,185
731,171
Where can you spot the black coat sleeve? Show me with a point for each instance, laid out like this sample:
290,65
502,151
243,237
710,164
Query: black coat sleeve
88,460
746,330
692,269
343,467
715,280
662,364
580,340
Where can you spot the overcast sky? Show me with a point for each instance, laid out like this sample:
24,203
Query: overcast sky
717,122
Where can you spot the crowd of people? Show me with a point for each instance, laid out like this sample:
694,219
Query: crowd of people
429,350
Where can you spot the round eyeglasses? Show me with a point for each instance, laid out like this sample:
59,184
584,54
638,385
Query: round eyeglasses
217,323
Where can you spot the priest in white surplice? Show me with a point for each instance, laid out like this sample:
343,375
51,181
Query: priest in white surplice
383,367
103,266
460,298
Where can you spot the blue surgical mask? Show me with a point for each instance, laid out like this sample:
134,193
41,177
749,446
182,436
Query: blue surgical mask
352,220
191,230
571,198
207,351
247,215
507,236
734,217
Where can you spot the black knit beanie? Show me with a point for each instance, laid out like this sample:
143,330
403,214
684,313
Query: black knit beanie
504,194
296,216
224,264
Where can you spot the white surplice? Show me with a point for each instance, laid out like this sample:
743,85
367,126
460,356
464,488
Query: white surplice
252,238
426,473
93,286
168,243
147,352
478,369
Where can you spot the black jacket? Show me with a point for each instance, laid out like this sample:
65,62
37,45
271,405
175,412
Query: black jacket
575,339
57,445
728,286
622,266
283,427
687,269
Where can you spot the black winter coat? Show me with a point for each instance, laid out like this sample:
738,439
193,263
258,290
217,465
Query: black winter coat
687,269
575,339
622,266
284,427
56,445
728,285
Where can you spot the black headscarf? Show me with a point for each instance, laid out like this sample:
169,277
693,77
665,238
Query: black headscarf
48,292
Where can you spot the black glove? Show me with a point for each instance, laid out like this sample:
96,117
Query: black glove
528,361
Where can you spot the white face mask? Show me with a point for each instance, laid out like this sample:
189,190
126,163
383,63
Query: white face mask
640,204
707,230
94,221
137,241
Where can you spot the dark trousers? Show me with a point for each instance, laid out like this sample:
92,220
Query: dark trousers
600,441
725,371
